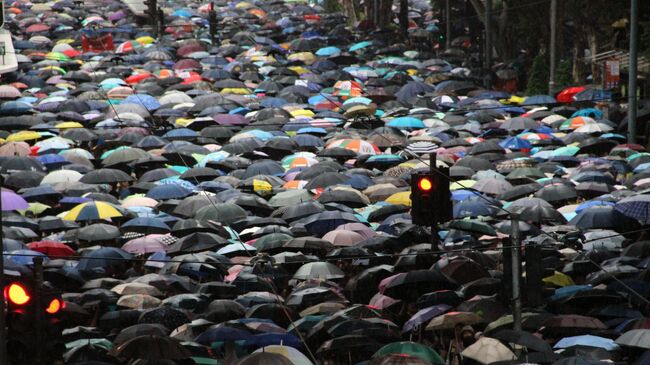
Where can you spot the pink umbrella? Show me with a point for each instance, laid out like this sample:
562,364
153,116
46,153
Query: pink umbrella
380,301
147,244
360,228
343,238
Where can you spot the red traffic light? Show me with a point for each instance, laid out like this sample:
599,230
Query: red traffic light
425,184
17,294
55,306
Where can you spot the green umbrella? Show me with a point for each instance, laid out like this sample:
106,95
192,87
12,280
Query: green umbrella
101,342
290,197
411,348
565,151
473,225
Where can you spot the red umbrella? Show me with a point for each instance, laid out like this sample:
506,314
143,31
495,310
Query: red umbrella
566,95
51,248
36,28
134,79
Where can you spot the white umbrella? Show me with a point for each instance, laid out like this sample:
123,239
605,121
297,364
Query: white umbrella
488,350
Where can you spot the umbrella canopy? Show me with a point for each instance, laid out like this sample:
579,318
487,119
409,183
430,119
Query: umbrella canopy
488,350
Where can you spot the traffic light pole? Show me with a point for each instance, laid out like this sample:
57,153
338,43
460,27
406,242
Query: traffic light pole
516,271
38,313
3,314
433,157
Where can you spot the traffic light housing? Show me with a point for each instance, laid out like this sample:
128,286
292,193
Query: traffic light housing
535,292
430,198
32,318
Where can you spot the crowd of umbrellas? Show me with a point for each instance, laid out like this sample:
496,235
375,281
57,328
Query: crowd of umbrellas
247,202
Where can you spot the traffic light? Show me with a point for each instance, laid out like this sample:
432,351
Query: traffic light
422,192
32,321
430,198
535,273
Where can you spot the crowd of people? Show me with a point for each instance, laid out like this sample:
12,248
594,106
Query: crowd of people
248,201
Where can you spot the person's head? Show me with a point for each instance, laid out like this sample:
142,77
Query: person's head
467,335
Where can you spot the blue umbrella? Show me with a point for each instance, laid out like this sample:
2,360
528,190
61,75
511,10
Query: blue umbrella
568,291
181,133
328,51
175,180
222,334
103,257
471,208
168,191
359,182
28,258
149,225
52,161
515,143
588,112
14,108
359,46
539,100
145,100
408,123
424,315
463,194
268,339
587,340
182,13
636,206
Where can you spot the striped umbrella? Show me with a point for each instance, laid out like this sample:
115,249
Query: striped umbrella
91,211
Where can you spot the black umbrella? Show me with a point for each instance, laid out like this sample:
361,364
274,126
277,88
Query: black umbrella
152,347
105,176
197,242
523,338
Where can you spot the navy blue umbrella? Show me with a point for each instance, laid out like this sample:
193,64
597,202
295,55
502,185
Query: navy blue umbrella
103,257
168,191
146,225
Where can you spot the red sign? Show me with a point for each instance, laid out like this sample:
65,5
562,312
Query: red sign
612,74
98,44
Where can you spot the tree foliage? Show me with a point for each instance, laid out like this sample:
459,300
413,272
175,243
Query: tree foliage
538,77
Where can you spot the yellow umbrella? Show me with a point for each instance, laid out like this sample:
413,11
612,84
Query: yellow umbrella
24,136
299,69
403,197
145,39
462,184
261,186
235,90
35,208
307,57
91,211
559,279
183,122
67,125
302,113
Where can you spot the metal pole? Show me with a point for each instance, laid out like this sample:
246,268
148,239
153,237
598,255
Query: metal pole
433,157
631,82
375,15
447,24
516,272
3,315
38,312
551,79
488,42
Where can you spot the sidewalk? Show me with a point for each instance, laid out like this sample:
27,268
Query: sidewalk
8,62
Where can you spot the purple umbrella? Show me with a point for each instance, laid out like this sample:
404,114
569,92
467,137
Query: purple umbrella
118,15
424,315
12,201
